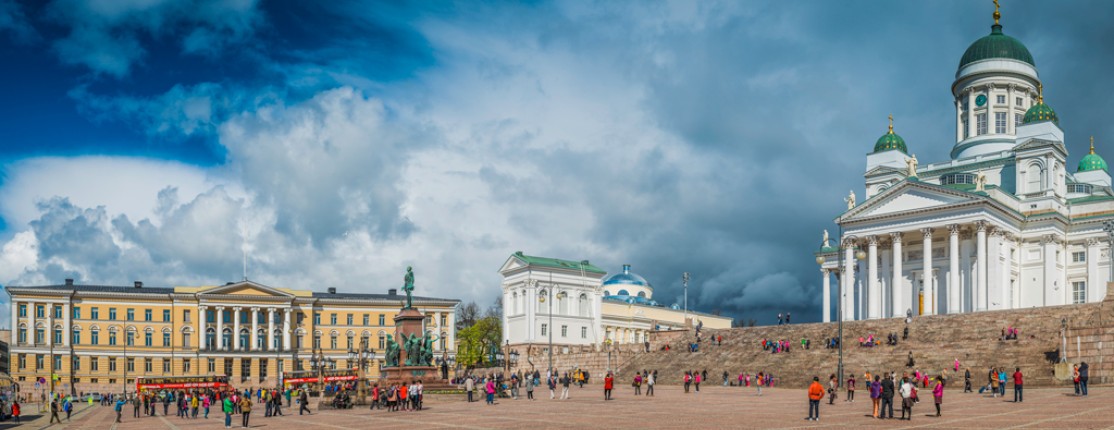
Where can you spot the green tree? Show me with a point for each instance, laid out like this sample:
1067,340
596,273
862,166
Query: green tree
475,343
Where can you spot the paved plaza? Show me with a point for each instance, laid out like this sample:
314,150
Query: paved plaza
713,407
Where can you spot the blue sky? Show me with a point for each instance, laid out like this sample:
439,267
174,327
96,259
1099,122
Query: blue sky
336,143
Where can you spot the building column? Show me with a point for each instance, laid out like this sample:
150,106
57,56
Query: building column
972,131
926,275
286,329
953,269
1048,243
847,301
874,293
1010,127
827,298
270,329
220,328
980,265
201,310
48,309
1095,284
254,330
236,328
897,284
15,324
67,329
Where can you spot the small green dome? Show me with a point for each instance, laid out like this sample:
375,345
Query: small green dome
1091,161
890,140
1040,112
996,45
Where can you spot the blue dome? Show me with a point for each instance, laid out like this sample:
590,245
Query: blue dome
626,278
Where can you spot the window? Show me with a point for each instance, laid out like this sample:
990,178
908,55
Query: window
40,336
95,337
980,124
94,363
1001,99
262,368
147,339
23,310
186,316
39,362
131,314
300,317
1080,188
111,364
367,320
1017,119
130,365
1020,102
147,315
76,338
94,313
186,365
333,319
166,339
245,369
349,319
166,315
147,365
544,327
112,314
112,338
210,316
1034,178
966,133
1078,257
317,341
166,366
382,320
39,312
957,178
564,331
333,341
443,320
1078,292
999,122
584,332
22,361
58,312
350,340
129,338
58,336
23,335
76,313
76,363
58,362
185,340
381,342
212,365
317,318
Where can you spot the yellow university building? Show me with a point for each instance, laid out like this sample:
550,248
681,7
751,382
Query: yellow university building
92,335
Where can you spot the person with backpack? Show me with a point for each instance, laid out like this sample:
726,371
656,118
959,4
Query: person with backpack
815,393
608,385
245,409
67,406
530,383
907,391
119,408
303,399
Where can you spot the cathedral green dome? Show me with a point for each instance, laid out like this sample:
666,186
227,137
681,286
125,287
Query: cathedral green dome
890,140
1040,112
996,45
1091,161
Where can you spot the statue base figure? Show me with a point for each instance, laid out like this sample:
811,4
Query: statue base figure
429,375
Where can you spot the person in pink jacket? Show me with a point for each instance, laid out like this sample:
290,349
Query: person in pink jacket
938,393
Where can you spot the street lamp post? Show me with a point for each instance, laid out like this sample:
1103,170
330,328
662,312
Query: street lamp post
127,340
560,295
860,255
685,282
362,357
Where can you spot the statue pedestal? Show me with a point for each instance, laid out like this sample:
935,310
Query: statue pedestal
429,375
411,323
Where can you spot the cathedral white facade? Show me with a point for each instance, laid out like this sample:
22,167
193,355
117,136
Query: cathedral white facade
1003,224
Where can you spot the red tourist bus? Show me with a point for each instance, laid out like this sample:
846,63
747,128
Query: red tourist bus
180,383
310,376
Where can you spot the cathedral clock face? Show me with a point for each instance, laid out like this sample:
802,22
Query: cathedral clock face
980,100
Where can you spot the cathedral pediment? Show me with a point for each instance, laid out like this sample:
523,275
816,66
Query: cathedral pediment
910,196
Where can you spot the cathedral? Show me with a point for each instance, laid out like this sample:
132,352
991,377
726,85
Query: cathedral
1004,223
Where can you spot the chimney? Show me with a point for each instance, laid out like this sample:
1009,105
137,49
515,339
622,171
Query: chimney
392,292
332,290
139,284
69,282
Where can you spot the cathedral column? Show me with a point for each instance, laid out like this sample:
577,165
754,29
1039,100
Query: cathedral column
958,120
929,288
254,330
874,295
896,284
953,270
981,266
827,298
1011,128
846,302
220,328
236,328
1048,243
971,130
1094,275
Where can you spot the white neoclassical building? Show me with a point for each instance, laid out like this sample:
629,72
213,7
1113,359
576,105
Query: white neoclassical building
1003,224
575,303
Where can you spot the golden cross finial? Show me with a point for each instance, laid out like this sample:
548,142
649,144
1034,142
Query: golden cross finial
1040,93
891,123
997,15
1092,144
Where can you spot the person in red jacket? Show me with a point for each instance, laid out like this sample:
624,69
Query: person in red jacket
815,393
1017,385
608,384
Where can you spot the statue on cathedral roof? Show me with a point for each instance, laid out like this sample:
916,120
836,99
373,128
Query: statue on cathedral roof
912,165
850,200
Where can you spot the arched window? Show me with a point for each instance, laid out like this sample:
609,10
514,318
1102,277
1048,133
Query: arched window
582,305
642,294
210,339
245,339
317,340
277,343
75,338
261,339
226,339
94,335
543,295
350,337
562,304
382,340
1034,178
333,340
623,293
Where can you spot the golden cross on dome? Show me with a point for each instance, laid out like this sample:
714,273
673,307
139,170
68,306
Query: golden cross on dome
1092,144
891,123
997,15
1040,93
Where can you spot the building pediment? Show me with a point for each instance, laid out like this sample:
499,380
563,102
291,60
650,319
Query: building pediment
244,288
1037,144
910,196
